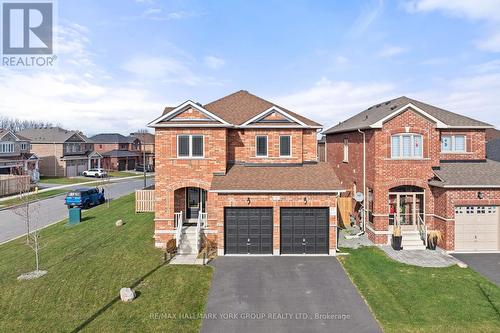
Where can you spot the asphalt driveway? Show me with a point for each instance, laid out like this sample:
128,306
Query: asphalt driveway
487,264
284,294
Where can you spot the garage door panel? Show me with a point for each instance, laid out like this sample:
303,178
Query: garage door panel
477,228
308,233
248,230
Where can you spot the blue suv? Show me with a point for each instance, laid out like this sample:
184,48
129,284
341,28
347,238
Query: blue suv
84,198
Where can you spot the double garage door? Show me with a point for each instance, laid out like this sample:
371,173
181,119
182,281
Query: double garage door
75,168
477,228
250,230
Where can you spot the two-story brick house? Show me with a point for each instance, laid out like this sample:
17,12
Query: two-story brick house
147,142
15,156
119,152
63,153
423,168
246,169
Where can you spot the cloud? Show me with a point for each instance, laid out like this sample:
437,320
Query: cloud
76,93
390,51
214,62
487,11
157,14
166,69
367,17
329,102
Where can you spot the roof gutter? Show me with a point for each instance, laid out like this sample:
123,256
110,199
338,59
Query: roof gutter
276,191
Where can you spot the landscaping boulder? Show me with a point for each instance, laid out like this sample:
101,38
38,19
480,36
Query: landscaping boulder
127,295
462,264
119,223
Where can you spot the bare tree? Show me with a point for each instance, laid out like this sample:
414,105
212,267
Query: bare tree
29,211
16,125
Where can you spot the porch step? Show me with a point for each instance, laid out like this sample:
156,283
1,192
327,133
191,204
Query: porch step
188,241
412,241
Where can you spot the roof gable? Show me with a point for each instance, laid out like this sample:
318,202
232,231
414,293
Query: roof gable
274,116
376,115
8,136
188,113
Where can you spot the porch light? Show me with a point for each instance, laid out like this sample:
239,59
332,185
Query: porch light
305,200
248,200
480,195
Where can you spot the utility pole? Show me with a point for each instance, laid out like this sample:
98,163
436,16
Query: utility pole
144,162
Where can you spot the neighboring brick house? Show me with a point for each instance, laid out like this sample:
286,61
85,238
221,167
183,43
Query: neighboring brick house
62,153
493,144
147,145
119,152
246,169
15,156
425,170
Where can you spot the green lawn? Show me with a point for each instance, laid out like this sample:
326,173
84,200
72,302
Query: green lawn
87,265
32,197
63,180
414,299
121,174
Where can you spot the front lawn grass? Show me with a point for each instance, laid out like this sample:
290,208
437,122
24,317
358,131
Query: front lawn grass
31,198
122,174
415,299
63,180
87,265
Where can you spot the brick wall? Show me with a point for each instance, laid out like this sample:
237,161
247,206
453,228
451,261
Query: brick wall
50,158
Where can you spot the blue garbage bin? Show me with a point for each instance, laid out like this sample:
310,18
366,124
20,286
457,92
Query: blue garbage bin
75,215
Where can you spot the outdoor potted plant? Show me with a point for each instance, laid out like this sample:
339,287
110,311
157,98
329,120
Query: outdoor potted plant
433,238
396,238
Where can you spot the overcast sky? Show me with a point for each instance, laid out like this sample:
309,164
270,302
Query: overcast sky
120,62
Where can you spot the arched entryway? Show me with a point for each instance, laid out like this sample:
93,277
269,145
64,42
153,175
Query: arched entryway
406,206
191,201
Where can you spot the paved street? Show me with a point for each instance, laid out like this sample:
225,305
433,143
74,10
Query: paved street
52,210
487,264
284,294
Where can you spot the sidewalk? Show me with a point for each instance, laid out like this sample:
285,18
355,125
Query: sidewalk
79,184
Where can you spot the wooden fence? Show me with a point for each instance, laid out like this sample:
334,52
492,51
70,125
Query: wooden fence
345,208
144,201
12,184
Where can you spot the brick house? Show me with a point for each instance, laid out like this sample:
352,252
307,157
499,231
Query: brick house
425,169
62,153
15,156
147,146
118,151
243,170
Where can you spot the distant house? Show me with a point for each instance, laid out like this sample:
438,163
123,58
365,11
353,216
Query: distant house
147,146
493,144
63,153
119,152
15,156
322,149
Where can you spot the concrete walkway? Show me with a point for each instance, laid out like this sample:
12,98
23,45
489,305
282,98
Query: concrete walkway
186,259
423,258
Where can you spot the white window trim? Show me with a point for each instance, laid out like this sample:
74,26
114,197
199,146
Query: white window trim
190,157
289,155
452,141
345,145
412,147
24,146
267,146
7,147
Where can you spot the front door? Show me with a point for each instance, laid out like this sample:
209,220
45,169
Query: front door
193,202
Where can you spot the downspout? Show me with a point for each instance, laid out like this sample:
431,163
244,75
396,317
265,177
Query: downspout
365,199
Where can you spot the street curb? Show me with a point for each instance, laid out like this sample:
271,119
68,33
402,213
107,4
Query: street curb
18,205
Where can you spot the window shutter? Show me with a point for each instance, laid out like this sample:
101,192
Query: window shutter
183,148
285,146
198,145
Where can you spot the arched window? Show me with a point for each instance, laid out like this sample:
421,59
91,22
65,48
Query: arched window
406,146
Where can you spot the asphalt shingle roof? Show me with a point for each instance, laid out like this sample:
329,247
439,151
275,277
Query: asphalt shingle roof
306,177
379,111
49,135
456,174
110,138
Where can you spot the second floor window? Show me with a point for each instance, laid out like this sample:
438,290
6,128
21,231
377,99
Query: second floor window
7,147
24,146
406,146
346,150
453,143
261,145
285,146
190,146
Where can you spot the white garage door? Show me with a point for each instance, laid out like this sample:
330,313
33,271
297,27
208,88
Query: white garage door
477,228
70,169
82,166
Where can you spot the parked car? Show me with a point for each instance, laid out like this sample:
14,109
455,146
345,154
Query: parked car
85,198
140,167
98,173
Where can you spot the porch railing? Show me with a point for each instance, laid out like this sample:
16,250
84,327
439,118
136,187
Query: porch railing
199,222
203,217
422,229
178,227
